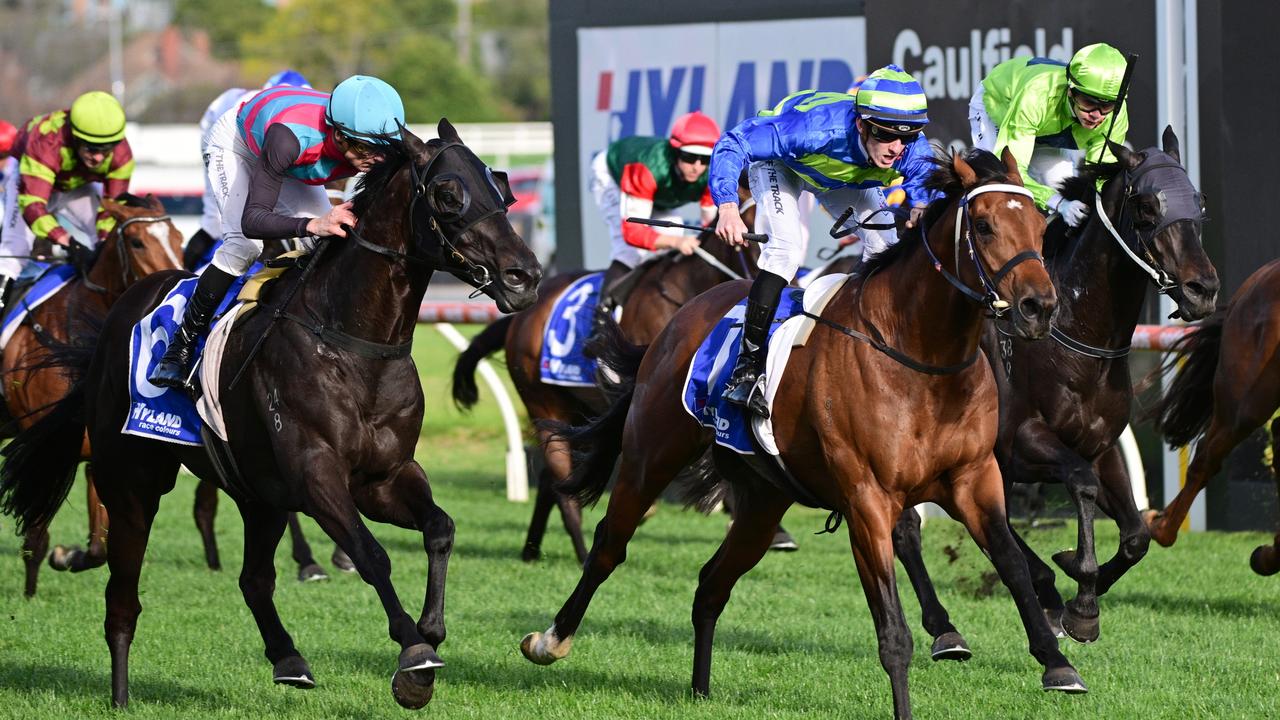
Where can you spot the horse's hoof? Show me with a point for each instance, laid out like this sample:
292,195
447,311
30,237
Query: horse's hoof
1054,617
543,648
1063,679
413,690
293,671
950,646
1080,628
342,561
1265,560
1156,526
531,554
419,657
783,542
311,573
61,557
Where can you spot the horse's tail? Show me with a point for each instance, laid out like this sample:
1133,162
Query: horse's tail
597,445
1184,411
489,341
40,462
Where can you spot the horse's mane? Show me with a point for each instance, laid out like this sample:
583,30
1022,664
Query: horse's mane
131,200
375,182
944,179
1079,187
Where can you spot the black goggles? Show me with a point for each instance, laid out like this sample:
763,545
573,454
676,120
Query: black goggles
1089,103
693,158
361,148
103,148
885,135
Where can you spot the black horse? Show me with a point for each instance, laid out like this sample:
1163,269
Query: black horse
1063,404
325,418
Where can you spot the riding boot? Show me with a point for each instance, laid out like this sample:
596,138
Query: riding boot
761,305
607,303
175,366
6,285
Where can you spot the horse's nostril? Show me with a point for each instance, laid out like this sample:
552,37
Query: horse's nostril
515,278
1030,308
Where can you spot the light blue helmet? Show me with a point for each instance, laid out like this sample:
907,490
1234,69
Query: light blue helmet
287,77
365,108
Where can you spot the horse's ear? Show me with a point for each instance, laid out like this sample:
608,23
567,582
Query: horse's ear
446,131
413,143
1170,142
1011,166
1128,158
968,178
154,203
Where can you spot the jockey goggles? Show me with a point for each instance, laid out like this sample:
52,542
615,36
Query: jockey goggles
1088,103
693,158
361,148
885,135
94,148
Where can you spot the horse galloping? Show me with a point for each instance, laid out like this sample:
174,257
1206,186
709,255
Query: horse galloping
327,417
1227,384
922,378
143,241
660,288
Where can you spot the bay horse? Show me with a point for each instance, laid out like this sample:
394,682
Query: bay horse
661,287
328,416
1064,404
932,397
143,241
1227,384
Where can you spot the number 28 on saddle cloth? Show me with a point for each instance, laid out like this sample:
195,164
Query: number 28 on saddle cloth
171,415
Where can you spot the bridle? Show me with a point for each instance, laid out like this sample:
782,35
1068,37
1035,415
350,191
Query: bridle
127,274
448,259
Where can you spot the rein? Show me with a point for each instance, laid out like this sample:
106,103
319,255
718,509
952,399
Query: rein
127,274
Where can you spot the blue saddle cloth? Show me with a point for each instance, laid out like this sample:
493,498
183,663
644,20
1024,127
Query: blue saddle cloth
165,413
710,369
567,329
51,280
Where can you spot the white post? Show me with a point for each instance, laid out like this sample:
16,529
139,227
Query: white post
1133,463
517,469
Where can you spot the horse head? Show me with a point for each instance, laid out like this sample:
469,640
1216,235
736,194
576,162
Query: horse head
461,217
1005,234
1159,215
144,241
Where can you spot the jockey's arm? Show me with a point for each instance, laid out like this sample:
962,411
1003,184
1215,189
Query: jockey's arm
1018,133
280,149
115,184
638,188
35,186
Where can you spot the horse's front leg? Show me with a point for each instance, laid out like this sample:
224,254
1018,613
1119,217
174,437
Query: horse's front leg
948,643
1116,500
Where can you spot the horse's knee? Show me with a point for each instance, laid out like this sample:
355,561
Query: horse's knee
440,533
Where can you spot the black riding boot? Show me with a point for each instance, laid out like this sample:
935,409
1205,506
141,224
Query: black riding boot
6,284
175,366
607,303
761,304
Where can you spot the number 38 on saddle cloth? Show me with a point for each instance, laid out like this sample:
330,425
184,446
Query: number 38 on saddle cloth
714,360
170,414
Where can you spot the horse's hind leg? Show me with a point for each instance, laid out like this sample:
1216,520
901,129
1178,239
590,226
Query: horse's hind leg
1265,559
204,509
75,558
978,502
749,537
34,545
948,643
308,568
263,528
1116,500
1044,582
642,477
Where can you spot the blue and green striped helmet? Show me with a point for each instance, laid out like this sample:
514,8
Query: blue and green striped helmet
892,99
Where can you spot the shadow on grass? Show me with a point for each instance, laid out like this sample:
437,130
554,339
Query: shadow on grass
1181,605
95,685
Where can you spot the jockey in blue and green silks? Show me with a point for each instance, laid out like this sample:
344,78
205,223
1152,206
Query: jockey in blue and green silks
844,149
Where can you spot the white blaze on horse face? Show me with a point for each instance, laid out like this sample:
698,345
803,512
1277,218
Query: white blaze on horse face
1013,205
160,231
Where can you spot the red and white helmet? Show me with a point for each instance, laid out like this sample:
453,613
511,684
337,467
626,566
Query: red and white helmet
695,133
8,135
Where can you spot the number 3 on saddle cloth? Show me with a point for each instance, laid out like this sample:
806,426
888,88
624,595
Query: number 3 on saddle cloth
714,360
568,325
171,414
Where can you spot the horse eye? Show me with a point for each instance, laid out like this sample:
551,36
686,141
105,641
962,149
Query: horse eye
136,244
983,227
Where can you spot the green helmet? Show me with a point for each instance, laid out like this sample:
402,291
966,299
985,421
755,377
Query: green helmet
1097,70
97,118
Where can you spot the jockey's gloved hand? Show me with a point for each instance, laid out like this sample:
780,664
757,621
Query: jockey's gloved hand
1073,211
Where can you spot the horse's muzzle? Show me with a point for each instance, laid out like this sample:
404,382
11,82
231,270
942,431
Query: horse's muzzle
517,287
1197,297
1033,314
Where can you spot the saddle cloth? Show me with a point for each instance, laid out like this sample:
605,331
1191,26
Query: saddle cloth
170,414
46,286
714,360
562,361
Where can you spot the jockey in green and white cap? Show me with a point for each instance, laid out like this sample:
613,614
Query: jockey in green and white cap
1051,115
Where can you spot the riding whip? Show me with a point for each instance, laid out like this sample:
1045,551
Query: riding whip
1130,61
752,237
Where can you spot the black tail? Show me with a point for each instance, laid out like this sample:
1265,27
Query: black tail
597,445
1185,410
40,462
489,341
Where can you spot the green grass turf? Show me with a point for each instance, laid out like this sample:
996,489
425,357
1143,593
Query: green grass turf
1191,632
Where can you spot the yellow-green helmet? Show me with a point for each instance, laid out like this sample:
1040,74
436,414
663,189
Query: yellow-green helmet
97,118
1097,70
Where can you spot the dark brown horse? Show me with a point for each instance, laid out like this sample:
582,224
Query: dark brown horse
144,241
932,439
660,288
1063,404
1227,385
327,416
